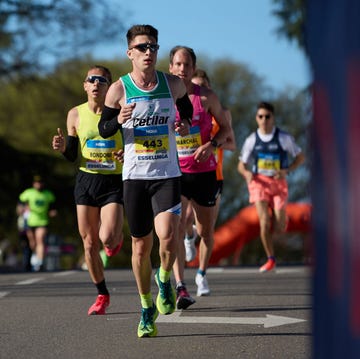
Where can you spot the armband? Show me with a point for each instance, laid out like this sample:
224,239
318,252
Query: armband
214,143
71,150
185,108
108,124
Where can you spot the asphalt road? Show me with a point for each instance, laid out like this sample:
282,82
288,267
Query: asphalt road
248,315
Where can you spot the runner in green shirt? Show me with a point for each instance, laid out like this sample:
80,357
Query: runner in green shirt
40,202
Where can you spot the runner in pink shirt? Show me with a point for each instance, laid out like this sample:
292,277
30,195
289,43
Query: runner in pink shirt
198,166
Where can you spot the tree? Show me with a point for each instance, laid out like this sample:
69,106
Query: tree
37,34
292,16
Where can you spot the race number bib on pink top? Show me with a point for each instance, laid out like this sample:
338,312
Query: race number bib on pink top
187,145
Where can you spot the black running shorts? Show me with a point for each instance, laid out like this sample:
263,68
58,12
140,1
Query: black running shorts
97,190
201,187
144,199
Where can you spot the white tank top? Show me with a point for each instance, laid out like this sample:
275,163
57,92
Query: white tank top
149,137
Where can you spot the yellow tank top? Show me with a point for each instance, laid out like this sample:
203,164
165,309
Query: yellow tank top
97,152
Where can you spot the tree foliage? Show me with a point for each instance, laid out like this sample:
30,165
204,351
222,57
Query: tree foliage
36,34
291,14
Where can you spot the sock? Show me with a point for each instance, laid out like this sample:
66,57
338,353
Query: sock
188,237
146,300
105,259
202,272
180,284
101,287
272,258
164,275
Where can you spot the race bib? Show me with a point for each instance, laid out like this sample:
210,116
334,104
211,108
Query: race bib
98,154
187,145
268,163
151,143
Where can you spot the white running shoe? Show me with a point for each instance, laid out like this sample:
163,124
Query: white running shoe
190,249
202,285
36,263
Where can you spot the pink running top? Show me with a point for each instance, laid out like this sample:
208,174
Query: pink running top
199,134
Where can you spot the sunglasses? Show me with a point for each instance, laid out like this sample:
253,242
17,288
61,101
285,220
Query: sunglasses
100,79
265,116
144,47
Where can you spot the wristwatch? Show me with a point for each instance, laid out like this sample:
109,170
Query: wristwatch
214,143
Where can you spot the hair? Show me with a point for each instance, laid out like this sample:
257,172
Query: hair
191,52
137,30
106,71
37,178
267,106
201,74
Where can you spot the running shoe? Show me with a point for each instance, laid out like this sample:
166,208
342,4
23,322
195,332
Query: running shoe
101,303
202,285
112,252
183,298
165,300
190,248
268,266
36,263
147,326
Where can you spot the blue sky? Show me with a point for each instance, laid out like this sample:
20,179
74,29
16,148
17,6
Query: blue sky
241,30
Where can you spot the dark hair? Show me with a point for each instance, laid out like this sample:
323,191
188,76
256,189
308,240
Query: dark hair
267,106
202,74
136,30
37,178
191,52
106,71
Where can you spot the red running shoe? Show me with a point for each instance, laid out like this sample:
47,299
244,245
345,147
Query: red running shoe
111,252
101,303
268,266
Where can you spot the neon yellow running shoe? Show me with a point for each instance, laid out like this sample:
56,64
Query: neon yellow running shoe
147,326
166,299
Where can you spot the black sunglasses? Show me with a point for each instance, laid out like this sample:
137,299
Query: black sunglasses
101,79
266,116
145,46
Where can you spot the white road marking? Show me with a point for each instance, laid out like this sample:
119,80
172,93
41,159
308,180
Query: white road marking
268,322
278,270
35,280
64,273
30,281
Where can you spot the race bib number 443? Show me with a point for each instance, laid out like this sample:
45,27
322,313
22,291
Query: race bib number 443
152,143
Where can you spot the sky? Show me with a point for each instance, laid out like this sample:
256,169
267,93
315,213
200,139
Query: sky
243,31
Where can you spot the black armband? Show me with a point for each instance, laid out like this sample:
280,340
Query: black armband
215,143
108,124
71,150
185,108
